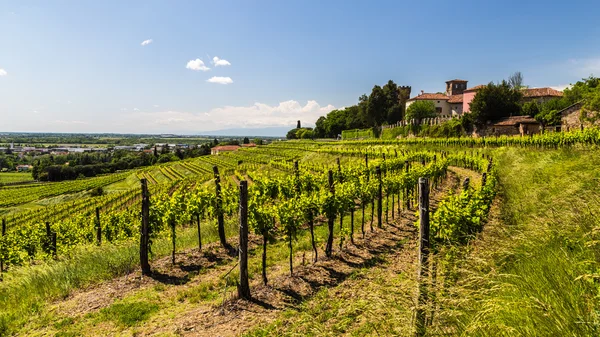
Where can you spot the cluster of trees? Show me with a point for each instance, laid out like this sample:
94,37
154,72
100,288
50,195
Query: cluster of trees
77,165
383,105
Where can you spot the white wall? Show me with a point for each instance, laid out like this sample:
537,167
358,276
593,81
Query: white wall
442,103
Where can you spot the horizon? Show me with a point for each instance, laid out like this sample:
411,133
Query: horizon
205,68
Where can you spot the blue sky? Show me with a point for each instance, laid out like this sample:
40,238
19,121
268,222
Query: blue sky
80,66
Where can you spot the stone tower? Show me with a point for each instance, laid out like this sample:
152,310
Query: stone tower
404,94
455,87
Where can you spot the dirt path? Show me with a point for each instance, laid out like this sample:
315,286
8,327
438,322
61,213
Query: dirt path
195,298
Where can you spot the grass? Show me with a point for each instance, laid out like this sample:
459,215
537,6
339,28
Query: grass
14,177
534,272
25,291
129,314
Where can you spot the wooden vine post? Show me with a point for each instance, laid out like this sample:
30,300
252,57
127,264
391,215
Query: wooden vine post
145,232
219,209
465,185
407,168
199,232
379,198
424,245
98,227
330,219
243,286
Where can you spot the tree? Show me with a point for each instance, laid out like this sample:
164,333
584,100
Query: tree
376,107
215,142
298,126
516,80
394,109
531,108
420,109
291,134
258,141
246,140
496,101
320,131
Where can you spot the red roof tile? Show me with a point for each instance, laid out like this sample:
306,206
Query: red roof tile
456,99
226,148
514,120
430,97
475,88
542,92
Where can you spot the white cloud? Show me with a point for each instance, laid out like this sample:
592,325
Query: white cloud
220,63
197,64
283,114
3,72
63,122
561,87
136,109
146,42
156,105
220,80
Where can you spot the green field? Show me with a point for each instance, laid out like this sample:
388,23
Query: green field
514,256
14,177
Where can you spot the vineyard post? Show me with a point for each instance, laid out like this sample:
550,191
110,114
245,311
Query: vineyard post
330,219
3,234
243,287
173,239
199,232
424,245
465,185
352,223
219,210
144,239
297,174
48,238
54,244
379,198
98,227
407,168
483,179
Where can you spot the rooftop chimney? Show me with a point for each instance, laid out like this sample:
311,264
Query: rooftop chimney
422,92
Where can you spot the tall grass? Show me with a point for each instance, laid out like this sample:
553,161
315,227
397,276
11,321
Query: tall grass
534,271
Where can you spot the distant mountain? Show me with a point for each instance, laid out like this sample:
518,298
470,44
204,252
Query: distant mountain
251,132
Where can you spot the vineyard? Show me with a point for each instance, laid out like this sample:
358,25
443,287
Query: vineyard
288,226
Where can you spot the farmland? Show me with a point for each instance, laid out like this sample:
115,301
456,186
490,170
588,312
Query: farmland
333,247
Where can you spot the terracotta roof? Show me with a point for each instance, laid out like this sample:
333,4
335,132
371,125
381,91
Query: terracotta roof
249,145
475,88
456,99
542,92
457,80
430,97
226,148
515,120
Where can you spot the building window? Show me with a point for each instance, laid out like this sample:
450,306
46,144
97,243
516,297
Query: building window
438,110
438,101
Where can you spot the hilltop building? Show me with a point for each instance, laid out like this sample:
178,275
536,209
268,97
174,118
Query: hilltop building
457,98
